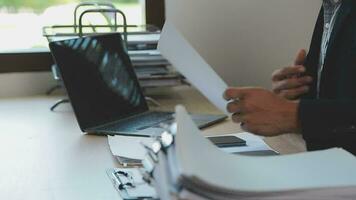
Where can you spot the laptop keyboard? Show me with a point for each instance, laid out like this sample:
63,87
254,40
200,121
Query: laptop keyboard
141,122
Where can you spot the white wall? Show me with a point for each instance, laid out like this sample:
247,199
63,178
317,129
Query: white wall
25,84
245,40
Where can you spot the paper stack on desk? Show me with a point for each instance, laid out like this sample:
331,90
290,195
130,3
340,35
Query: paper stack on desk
190,167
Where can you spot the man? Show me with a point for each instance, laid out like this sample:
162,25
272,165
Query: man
316,96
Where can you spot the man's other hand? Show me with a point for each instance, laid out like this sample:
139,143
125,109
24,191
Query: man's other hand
262,112
289,82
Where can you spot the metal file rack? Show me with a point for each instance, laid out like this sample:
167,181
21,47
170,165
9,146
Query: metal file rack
59,32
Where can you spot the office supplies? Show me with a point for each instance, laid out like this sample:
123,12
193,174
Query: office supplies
188,62
258,153
159,80
130,184
130,151
227,141
179,171
254,145
104,90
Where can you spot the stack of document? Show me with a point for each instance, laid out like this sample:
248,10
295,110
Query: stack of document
142,39
149,57
188,166
152,69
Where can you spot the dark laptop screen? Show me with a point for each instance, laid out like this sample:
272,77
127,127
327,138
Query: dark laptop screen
99,79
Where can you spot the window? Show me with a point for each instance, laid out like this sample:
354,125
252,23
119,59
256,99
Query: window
22,46
21,21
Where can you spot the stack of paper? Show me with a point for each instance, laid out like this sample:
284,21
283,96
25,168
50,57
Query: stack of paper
193,168
152,69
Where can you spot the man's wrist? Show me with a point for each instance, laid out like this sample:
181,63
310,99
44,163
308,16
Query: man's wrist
293,107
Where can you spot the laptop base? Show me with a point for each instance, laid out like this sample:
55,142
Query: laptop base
149,124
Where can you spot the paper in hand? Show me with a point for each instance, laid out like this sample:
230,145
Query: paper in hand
175,48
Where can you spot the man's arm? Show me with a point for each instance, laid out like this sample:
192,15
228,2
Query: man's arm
262,112
265,113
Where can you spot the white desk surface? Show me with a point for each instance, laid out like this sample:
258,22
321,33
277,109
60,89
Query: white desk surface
44,155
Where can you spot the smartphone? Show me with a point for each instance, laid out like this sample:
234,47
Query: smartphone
259,153
227,141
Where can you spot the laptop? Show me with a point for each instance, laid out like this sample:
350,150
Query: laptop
104,91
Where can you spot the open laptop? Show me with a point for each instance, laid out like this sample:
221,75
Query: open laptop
104,90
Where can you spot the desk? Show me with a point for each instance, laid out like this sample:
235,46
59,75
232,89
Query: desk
44,155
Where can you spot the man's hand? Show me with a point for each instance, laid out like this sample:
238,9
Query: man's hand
289,82
261,112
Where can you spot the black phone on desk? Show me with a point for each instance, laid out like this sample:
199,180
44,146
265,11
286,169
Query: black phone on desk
227,141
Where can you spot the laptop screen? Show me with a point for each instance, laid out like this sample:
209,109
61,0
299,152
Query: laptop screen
99,79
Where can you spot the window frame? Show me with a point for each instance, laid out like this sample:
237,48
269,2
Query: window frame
41,60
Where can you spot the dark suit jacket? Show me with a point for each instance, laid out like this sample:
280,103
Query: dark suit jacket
331,120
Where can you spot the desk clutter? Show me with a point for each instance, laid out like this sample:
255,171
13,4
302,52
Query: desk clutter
131,181
178,171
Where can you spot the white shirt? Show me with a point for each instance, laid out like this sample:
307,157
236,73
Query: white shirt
331,10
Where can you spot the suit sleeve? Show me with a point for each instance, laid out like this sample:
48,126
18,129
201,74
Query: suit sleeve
327,118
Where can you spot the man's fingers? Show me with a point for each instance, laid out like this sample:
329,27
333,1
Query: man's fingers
287,72
301,56
291,71
291,83
234,107
250,128
294,93
237,118
244,127
235,93
258,130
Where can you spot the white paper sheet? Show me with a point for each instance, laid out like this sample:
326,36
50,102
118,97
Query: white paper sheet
245,40
129,147
175,48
